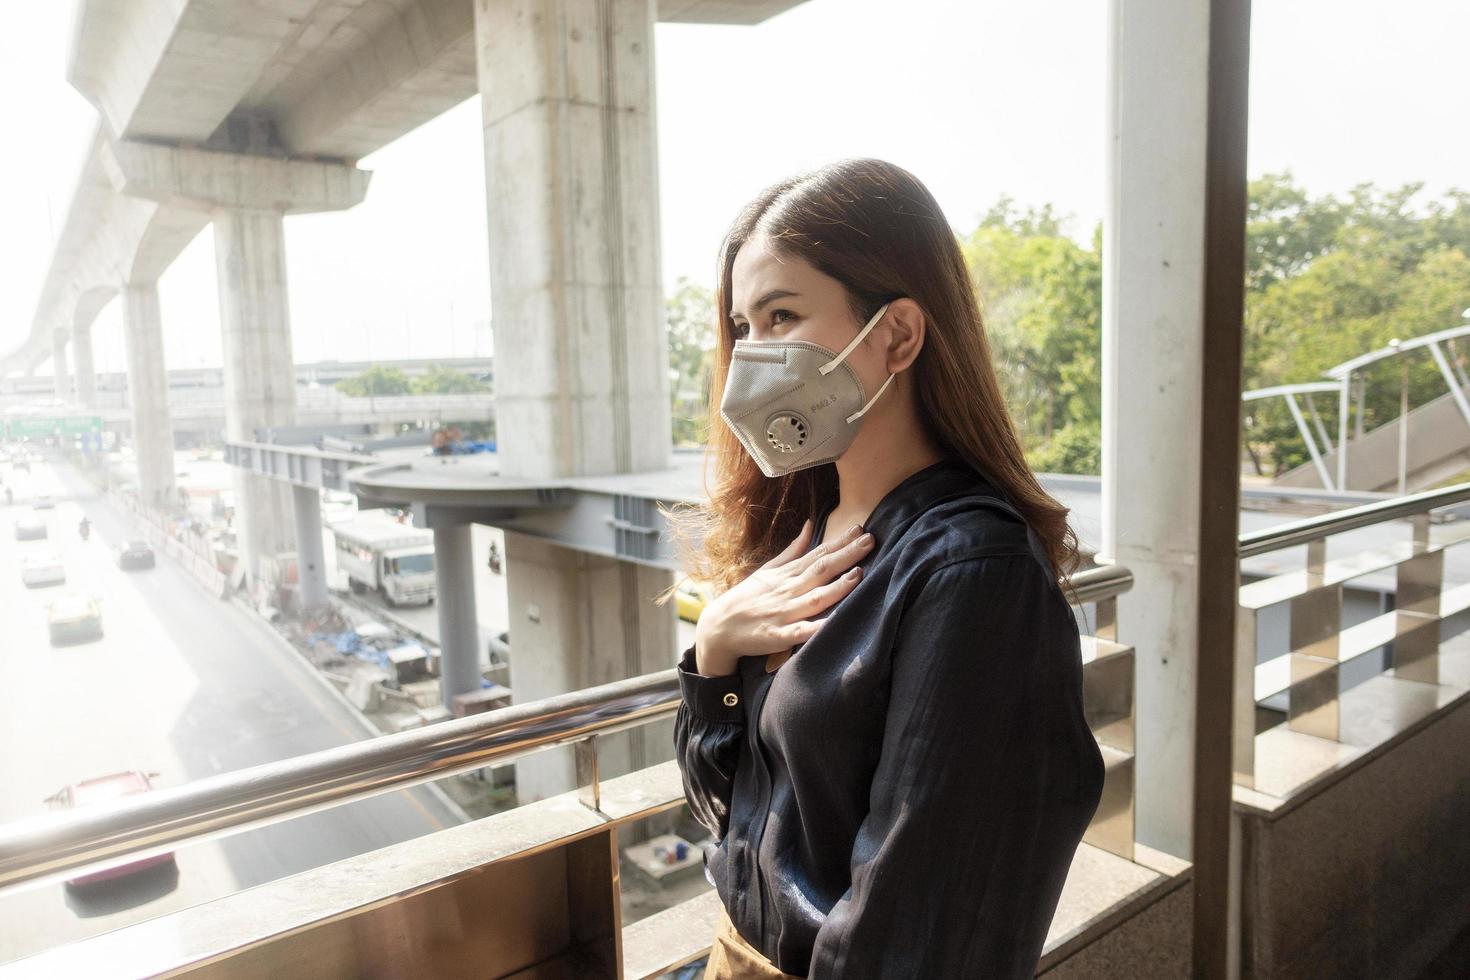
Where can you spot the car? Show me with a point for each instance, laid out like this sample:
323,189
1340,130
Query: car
135,554
104,789
691,597
43,569
30,528
43,502
74,617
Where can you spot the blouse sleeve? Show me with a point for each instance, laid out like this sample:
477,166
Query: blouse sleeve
708,729
987,778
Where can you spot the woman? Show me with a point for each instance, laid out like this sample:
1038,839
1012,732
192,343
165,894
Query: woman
882,717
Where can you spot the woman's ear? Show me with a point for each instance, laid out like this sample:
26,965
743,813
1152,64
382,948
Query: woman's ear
905,323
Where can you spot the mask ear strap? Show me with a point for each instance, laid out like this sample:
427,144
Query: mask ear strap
860,412
831,365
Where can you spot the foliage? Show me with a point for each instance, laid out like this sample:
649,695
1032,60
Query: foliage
376,380
1328,280
440,380
691,324
1041,294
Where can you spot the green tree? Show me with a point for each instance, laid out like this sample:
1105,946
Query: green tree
691,333
1041,294
440,380
1284,229
375,381
1328,280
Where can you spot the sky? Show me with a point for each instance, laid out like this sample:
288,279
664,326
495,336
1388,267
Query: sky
978,98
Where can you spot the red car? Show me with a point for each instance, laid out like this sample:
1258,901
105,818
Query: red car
100,790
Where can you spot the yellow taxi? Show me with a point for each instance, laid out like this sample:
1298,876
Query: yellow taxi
691,596
74,617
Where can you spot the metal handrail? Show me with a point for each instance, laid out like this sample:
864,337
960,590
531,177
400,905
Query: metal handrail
1311,529
51,846
1102,582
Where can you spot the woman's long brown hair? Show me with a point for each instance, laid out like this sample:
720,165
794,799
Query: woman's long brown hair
878,231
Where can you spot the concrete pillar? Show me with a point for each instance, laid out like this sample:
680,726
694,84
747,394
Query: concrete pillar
246,193
1169,466
311,562
571,158
60,371
85,372
260,383
459,630
153,432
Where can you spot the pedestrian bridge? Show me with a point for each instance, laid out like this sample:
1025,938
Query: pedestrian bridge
1269,811
1349,804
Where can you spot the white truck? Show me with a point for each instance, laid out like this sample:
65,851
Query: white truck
395,560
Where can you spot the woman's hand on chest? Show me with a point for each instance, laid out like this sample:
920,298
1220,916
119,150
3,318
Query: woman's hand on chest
773,609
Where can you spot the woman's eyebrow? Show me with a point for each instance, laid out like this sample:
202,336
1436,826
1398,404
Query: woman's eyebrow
770,297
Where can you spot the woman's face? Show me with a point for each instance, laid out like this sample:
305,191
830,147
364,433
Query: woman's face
782,298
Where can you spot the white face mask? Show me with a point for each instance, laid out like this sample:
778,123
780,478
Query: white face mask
794,404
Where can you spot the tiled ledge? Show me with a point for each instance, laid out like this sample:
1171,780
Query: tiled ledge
1291,766
1102,892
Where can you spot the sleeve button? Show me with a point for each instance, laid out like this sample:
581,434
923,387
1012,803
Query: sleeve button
731,699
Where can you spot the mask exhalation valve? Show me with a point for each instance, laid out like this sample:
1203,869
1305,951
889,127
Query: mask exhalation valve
786,432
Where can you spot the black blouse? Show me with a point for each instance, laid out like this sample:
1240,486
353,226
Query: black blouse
902,797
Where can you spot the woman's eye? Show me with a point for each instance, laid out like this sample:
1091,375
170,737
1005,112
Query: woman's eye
742,330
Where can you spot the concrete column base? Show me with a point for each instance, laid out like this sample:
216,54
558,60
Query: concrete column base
459,631
577,621
311,564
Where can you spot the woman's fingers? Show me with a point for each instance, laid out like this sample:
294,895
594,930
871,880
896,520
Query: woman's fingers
802,630
800,564
835,562
823,596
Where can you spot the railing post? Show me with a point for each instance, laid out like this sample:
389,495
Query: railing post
1106,611
589,784
1243,719
1417,603
1316,618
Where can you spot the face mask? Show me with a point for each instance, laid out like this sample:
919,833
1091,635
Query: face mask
794,404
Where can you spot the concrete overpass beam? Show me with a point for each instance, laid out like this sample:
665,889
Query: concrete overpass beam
571,156
209,180
153,433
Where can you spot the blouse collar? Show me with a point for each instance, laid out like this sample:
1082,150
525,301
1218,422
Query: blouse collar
919,491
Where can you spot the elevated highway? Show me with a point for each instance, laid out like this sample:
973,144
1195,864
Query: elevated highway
216,113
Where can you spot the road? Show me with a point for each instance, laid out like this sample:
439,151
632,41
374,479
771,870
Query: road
491,606
182,684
